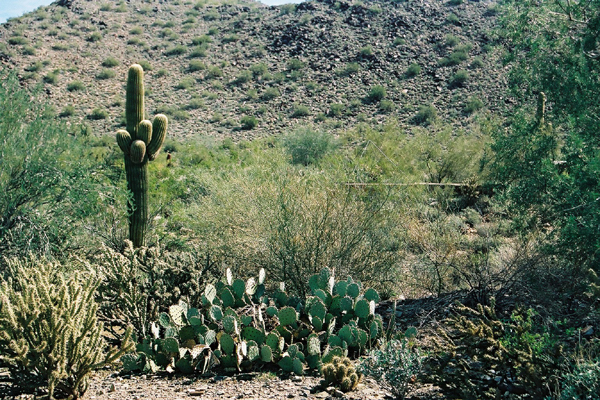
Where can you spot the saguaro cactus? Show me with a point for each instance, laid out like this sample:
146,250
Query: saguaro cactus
140,143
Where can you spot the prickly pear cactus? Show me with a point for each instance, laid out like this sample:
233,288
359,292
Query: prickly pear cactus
140,143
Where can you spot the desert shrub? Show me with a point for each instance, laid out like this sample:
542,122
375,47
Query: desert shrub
40,165
75,86
310,224
426,115
285,9
365,52
459,79
106,74
583,382
198,52
17,40
110,62
398,41
67,111
386,106
308,146
248,122
477,62
196,65
349,69
197,41
458,55
145,65
295,65
473,104
98,113
259,69
214,72
484,354
453,19
451,40
94,37
413,69
376,93
35,67
336,110
270,93
49,333
300,110
195,104
176,50
394,365
243,77
230,38
136,30
185,83
28,51
137,284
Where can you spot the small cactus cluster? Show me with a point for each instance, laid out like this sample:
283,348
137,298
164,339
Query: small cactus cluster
239,325
140,143
341,373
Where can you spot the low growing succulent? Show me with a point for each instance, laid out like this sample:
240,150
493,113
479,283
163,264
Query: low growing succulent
341,373
238,324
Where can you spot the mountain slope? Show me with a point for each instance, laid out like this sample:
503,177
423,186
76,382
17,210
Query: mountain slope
210,65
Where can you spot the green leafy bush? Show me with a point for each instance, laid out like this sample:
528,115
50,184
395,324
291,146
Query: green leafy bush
308,146
459,79
196,65
248,122
139,283
583,383
49,334
350,69
294,64
376,93
394,365
176,50
426,115
41,164
106,74
414,69
98,113
473,104
94,37
484,354
300,111
75,86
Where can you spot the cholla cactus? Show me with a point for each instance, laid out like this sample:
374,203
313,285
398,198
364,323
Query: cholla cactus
341,373
49,332
140,143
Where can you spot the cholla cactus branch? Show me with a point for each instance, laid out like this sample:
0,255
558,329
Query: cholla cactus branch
49,333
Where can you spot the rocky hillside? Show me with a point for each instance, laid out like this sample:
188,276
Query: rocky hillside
244,70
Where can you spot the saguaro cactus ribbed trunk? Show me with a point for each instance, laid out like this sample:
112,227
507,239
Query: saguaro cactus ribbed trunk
140,143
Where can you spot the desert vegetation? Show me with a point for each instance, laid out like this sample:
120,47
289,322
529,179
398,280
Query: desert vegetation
336,221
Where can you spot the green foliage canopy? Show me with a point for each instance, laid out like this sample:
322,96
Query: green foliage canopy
550,174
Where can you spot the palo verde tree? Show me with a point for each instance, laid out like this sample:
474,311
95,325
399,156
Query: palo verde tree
550,174
140,144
